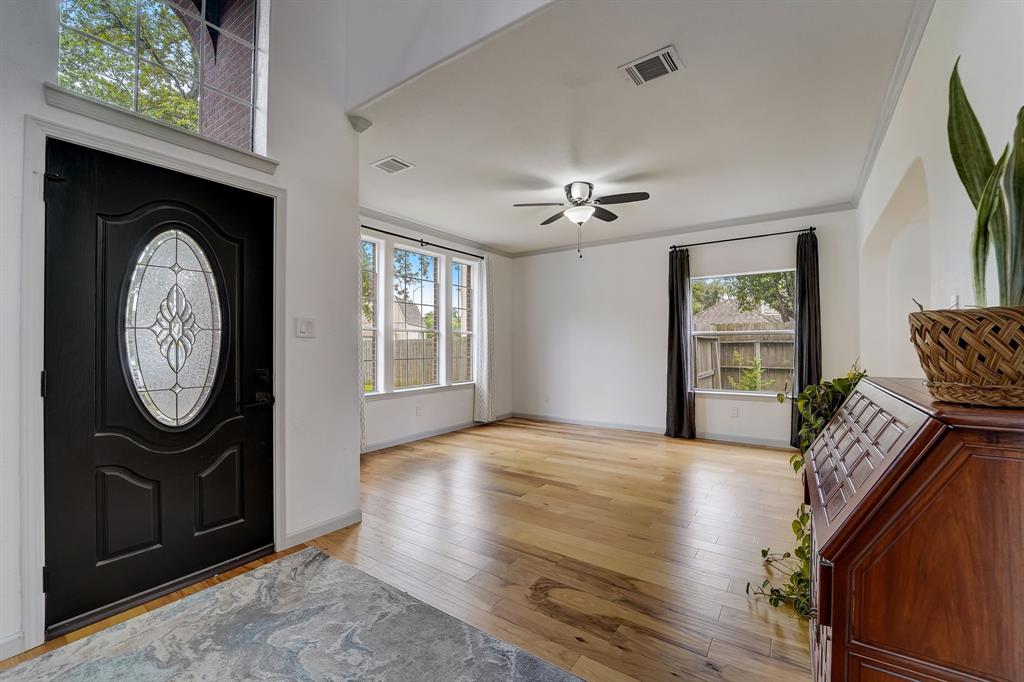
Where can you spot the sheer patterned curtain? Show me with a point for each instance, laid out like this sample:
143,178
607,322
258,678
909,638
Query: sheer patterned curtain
483,406
807,304
681,404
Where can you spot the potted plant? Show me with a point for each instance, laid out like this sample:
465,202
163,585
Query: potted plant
816,404
976,356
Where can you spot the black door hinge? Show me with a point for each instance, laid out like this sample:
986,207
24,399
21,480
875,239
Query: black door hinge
51,178
46,580
42,384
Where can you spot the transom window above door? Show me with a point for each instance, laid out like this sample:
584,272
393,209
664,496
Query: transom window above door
187,63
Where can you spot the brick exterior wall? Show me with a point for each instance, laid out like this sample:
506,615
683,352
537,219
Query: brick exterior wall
228,66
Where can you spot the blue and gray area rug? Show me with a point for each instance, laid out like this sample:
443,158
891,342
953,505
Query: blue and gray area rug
305,616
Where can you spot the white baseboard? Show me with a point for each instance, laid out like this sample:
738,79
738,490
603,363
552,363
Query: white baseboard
722,437
587,422
745,440
372,447
11,645
317,529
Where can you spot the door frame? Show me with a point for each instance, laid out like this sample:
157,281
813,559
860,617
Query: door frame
33,261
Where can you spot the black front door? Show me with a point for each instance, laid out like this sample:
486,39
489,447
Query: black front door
157,382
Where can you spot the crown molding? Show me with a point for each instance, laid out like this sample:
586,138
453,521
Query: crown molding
700,227
908,51
409,224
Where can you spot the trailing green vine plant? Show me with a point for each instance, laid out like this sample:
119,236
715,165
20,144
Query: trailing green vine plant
816,404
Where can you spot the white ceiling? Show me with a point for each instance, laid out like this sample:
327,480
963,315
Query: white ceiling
776,111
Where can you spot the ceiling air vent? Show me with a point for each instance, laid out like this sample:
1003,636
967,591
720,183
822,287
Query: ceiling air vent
655,65
392,164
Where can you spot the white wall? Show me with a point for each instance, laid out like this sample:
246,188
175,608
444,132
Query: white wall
393,40
908,280
590,336
310,136
392,418
915,150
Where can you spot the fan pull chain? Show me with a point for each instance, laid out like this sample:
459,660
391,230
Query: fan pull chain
579,240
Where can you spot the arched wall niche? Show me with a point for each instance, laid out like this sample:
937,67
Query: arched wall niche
895,270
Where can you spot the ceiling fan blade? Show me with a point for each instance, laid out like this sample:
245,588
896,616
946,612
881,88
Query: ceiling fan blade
542,203
553,218
626,198
604,214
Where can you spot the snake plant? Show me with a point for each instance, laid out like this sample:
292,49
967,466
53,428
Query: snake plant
996,188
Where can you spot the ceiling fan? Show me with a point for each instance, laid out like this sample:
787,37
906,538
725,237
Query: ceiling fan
583,205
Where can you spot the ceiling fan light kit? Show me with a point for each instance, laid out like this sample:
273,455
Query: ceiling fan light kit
579,214
583,206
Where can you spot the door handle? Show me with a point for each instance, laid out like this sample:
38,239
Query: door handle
263,399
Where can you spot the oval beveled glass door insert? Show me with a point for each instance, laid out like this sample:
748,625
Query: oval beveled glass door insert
172,328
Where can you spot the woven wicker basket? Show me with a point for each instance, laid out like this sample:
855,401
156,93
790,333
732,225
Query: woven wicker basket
973,356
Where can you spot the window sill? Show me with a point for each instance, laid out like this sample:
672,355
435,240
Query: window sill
751,395
62,98
421,390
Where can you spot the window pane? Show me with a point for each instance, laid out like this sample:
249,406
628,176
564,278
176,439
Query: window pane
415,319
226,120
235,16
462,322
172,328
169,38
159,58
227,65
191,7
369,361
743,332
168,97
110,20
368,300
94,69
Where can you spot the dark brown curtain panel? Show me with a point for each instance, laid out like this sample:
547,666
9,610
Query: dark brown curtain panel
679,418
807,349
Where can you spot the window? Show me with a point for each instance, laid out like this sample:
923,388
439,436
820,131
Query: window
742,328
415,311
368,301
188,63
172,330
462,322
419,331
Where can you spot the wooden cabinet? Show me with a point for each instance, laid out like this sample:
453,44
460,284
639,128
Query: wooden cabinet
918,539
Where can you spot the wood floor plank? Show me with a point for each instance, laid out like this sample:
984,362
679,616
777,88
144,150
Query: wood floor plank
626,553
618,555
591,670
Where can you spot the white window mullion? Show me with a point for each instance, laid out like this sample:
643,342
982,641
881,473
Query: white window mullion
138,55
474,301
387,298
380,293
444,329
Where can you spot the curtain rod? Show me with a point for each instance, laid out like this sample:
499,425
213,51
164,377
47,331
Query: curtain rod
422,242
739,239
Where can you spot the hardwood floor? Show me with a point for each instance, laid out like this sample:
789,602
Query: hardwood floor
617,555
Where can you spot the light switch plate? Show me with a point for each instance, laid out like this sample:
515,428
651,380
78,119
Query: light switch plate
305,328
